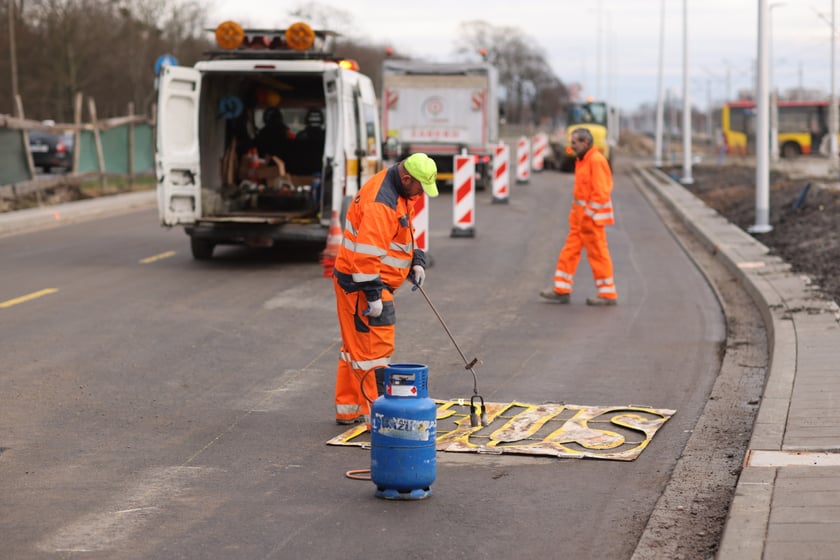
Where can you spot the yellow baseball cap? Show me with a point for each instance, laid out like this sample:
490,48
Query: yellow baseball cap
424,169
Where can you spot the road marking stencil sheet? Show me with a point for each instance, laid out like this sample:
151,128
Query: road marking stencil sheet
618,433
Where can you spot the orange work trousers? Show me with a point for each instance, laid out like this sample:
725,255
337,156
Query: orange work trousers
367,345
585,234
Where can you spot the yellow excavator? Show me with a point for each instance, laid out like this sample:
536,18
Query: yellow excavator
600,119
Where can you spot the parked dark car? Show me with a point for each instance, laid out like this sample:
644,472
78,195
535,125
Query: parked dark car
51,150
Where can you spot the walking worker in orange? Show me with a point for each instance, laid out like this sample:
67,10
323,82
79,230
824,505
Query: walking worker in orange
591,211
376,256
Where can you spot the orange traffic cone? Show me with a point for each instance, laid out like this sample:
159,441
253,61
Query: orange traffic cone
329,254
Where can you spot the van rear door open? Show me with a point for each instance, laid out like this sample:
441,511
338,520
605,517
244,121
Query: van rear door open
177,156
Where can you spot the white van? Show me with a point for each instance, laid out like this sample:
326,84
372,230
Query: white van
262,143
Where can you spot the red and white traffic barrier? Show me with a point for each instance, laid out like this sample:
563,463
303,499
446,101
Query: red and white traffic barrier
501,173
539,148
523,160
463,197
421,223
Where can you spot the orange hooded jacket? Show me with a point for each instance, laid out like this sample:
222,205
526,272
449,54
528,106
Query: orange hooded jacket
378,248
593,187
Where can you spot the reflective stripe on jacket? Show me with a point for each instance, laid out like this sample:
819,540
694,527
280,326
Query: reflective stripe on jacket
377,248
593,186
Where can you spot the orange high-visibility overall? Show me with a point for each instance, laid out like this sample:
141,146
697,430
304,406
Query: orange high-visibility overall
375,258
591,211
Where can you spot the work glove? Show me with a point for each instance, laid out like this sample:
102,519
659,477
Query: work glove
374,308
417,276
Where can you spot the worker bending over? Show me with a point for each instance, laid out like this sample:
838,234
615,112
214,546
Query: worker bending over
377,254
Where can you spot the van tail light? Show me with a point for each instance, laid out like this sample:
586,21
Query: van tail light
60,147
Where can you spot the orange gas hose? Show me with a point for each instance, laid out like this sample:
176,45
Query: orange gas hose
357,474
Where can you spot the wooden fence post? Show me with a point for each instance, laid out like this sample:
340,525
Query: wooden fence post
30,163
98,140
131,146
77,133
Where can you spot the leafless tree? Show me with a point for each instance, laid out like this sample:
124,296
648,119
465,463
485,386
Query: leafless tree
104,49
532,91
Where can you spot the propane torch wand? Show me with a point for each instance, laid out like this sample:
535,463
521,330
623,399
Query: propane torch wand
478,412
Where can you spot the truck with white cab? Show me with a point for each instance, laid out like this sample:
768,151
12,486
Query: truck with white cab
265,140
442,109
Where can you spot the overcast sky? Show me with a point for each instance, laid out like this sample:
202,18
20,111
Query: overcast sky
610,46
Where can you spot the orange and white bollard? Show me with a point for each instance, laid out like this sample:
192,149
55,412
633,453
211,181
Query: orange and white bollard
501,173
540,146
334,240
421,223
463,197
523,160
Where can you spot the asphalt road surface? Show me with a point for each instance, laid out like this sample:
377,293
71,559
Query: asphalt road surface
154,406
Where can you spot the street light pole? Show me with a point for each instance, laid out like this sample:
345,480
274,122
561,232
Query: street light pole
728,80
832,110
598,53
774,96
832,103
660,102
762,167
13,56
686,179
709,125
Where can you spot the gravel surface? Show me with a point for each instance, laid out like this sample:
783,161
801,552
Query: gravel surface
804,213
804,204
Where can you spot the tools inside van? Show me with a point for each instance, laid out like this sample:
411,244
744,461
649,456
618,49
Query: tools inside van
274,151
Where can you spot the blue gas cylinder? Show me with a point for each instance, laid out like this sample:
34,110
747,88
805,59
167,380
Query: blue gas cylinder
403,429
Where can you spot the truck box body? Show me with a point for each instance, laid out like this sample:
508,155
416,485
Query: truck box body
213,180
442,110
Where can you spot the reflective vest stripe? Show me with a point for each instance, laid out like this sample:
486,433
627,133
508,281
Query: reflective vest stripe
600,216
404,247
348,226
591,210
563,280
347,408
563,274
358,277
562,285
605,286
365,249
396,263
365,365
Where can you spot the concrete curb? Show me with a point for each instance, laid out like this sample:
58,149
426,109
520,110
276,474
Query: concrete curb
33,219
792,310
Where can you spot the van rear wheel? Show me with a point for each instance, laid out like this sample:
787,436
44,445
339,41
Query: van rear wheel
202,249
